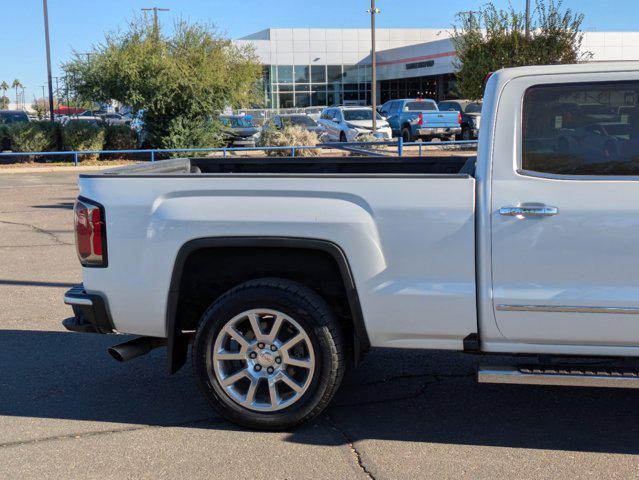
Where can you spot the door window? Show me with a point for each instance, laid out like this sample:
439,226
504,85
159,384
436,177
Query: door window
581,129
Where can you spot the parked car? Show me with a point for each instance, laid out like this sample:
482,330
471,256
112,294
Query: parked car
95,121
279,275
115,119
349,124
470,116
416,118
13,116
314,112
297,120
239,130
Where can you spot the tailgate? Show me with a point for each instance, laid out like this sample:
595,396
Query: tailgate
441,119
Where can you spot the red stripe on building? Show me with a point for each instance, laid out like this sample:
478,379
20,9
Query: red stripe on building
418,59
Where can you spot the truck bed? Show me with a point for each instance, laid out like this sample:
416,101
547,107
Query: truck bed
462,165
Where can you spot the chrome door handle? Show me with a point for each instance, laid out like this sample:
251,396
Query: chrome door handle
529,211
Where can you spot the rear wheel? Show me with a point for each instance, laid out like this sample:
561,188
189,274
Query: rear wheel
342,137
406,135
269,354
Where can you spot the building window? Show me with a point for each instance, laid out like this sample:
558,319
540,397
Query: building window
302,74
334,73
302,100
285,74
318,73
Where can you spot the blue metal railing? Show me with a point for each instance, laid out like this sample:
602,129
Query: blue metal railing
399,144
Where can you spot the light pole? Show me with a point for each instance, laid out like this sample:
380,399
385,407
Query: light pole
46,39
527,18
373,11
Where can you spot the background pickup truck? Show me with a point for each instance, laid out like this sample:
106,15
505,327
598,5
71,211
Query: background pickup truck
414,119
282,273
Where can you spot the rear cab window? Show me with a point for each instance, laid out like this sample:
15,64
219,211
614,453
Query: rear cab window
420,106
581,129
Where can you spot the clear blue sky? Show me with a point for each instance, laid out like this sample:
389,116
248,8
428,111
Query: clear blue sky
77,24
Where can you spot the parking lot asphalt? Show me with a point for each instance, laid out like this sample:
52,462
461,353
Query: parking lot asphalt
67,410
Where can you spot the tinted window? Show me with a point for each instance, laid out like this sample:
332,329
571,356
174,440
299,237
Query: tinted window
581,129
301,120
448,106
419,106
363,114
473,108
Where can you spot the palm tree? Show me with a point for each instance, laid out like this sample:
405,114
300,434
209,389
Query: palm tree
16,84
4,86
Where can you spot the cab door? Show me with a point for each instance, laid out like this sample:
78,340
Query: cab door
565,211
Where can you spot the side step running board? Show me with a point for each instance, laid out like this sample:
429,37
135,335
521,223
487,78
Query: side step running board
569,376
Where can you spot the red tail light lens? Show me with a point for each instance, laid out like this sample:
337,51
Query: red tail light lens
90,233
420,119
459,118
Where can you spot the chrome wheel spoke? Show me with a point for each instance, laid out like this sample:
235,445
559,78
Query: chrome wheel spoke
292,383
237,336
230,380
275,329
250,393
224,355
297,362
293,341
255,326
273,395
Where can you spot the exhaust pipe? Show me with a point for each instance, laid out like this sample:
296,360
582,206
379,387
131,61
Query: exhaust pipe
135,348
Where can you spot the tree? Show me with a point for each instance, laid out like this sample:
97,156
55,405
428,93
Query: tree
178,80
4,100
40,107
555,38
16,84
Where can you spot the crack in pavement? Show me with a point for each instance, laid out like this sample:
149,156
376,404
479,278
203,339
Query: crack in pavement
435,380
57,240
351,446
80,435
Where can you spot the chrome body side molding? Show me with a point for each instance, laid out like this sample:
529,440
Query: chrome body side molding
567,309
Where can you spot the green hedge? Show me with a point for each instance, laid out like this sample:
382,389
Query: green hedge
39,136
120,137
83,136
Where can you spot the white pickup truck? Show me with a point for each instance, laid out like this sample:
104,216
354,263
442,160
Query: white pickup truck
282,273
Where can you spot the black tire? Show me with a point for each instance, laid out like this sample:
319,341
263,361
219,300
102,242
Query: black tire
407,137
466,135
342,137
315,317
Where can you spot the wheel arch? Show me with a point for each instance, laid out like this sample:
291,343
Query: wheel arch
177,343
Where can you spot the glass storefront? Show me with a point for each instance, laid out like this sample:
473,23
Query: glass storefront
436,87
294,86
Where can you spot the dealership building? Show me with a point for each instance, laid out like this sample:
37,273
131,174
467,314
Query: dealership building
330,66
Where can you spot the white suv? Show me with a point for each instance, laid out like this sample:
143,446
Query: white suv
348,124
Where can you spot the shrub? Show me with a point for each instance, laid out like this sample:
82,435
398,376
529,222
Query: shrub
192,133
31,137
83,136
119,137
291,136
5,143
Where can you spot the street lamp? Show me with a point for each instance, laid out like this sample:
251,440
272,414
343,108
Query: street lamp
527,18
46,39
373,11
155,11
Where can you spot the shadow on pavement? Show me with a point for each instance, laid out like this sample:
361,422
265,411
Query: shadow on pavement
35,283
395,395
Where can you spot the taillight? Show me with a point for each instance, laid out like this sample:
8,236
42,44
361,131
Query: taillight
420,119
459,119
90,233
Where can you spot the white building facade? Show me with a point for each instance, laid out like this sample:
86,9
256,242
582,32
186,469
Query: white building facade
311,66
